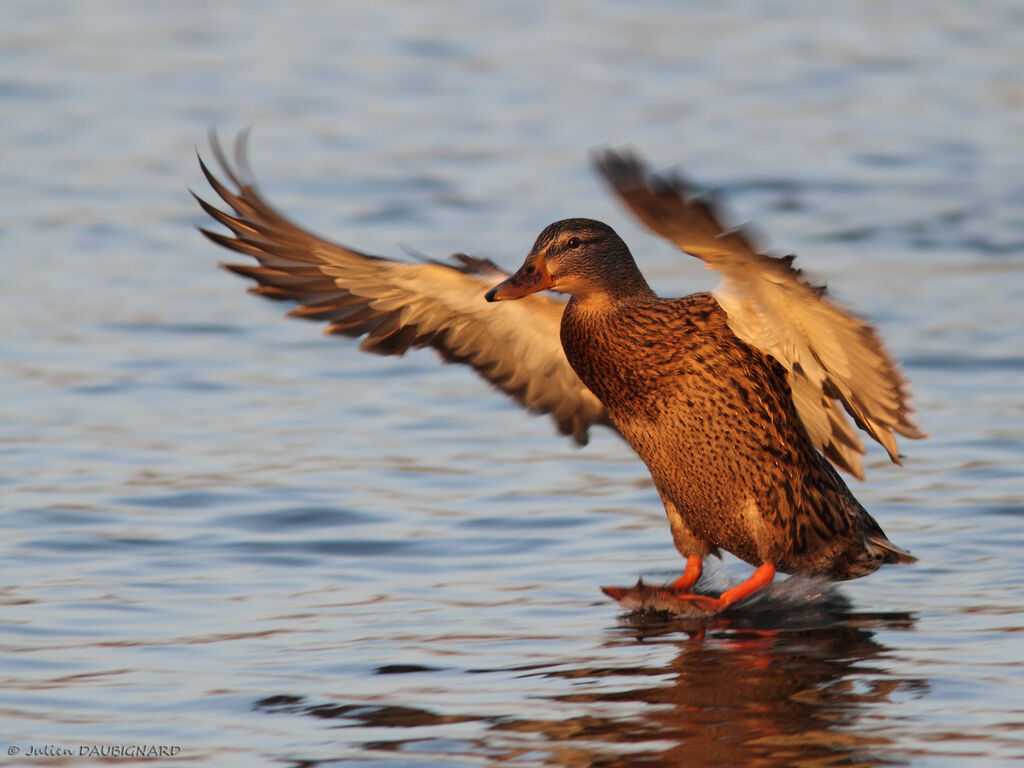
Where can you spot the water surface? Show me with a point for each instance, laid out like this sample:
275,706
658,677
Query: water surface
225,532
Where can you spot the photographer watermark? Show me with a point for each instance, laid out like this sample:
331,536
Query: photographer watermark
137,751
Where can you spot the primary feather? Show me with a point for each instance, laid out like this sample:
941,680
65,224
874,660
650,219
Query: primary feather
396,305
832,356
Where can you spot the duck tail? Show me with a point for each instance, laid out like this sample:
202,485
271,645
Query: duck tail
886,552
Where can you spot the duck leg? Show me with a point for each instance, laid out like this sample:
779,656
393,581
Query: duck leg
761,578
694,568
645,598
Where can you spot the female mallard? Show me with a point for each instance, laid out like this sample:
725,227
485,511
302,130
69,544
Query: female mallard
727,397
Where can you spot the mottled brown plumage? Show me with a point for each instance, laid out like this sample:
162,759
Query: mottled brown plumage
834,360
711,416
728,397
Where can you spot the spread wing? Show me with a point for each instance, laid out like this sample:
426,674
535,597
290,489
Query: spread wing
396,305
833,357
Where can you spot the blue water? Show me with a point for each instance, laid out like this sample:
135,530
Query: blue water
225,533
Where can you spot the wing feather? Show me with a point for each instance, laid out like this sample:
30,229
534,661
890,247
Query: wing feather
398,305
832,356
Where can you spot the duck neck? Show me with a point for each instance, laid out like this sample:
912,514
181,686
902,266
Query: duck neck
607,288
606,298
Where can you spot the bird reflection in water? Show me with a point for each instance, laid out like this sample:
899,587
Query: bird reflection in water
744,691
755,687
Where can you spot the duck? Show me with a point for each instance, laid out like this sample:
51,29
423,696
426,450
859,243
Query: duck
737,400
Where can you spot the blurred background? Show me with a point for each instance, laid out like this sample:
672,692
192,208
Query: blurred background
225,532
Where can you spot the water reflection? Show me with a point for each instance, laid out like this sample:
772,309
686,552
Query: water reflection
762,697
739,690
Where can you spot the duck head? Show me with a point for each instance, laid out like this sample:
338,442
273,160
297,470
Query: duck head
581,257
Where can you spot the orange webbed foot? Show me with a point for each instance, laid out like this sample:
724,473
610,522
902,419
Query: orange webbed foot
673,600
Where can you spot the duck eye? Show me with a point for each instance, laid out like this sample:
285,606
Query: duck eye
573,242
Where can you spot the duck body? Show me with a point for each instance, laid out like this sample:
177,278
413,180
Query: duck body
713,420
711,416
737,401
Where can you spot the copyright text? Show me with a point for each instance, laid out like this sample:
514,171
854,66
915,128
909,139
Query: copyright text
95,750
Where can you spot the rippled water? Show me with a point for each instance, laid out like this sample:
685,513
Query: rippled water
225,533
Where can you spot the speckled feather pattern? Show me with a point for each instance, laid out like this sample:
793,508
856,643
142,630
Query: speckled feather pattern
713,419
730,446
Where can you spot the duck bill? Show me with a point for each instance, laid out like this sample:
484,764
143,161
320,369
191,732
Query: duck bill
533,276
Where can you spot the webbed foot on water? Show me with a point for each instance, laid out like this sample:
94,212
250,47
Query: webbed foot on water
643,598
668,599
